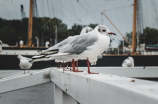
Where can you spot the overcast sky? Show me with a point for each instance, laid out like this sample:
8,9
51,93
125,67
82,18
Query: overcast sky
77,11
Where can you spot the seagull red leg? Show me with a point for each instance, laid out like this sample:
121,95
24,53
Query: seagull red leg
73,65
89,68
77,67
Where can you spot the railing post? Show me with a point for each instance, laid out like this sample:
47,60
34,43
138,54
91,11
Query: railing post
60,97
67,99
57,95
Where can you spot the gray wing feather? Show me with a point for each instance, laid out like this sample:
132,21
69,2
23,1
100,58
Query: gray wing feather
66,41
80,44
125,61
22,57
61,44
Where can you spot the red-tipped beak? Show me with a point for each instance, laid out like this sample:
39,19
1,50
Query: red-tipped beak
111,33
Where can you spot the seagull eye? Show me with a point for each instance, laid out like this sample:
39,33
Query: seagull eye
103,30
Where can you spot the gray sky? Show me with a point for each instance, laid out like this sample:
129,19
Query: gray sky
83,12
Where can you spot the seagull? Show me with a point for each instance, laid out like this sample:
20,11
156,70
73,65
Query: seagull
129,62
86,30
0,46
26,63
63,43
55,48
86,47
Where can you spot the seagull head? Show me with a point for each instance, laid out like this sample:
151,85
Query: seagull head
131,59
104,30
86,30
19,57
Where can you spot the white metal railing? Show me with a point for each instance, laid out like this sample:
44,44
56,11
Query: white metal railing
83,88
23,80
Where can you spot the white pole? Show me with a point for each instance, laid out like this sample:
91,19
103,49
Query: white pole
56,38
123,46
37,41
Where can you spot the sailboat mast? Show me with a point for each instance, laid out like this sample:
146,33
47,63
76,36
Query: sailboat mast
115,27
134,26
30,24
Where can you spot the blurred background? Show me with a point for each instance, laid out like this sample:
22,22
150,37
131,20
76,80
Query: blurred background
70,16
38,24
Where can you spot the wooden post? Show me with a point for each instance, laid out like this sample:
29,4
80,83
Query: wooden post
134,26
30,24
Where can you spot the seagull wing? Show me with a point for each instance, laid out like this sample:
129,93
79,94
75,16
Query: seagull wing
22,57
79,44
124,62
57,46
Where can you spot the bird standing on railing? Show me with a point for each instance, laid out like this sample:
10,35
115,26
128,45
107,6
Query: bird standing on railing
129,62
55,48
63,43
86,47
25,63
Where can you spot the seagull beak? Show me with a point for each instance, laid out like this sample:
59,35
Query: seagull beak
111,33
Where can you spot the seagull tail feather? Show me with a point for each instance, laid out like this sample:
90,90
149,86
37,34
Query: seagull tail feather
58,55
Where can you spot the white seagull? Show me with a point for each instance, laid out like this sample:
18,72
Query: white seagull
87,46
129,62
26,63
86,30
55,48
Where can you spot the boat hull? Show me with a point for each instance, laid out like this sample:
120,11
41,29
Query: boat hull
12,62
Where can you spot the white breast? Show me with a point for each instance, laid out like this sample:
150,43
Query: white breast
99,47
25,64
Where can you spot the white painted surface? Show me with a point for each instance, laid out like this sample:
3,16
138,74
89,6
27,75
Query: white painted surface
19,52
138,72
105,88
8,73
23,80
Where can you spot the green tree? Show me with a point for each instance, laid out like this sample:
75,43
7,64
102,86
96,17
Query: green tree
149,36
12,31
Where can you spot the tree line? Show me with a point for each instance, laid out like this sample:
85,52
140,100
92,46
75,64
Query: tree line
149,36
12,31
